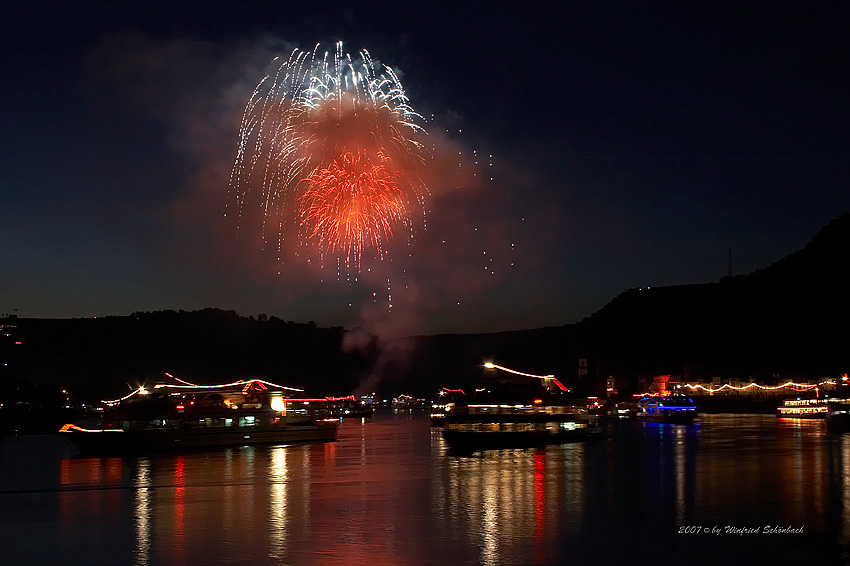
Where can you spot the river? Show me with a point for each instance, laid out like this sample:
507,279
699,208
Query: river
731,488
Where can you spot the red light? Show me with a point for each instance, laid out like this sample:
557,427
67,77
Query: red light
458,390
180,407
538,401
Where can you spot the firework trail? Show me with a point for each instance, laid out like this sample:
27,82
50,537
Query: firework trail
328,151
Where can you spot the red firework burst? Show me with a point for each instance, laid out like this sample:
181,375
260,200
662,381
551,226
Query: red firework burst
353,203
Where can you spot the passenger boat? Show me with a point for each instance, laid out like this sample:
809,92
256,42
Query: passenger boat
503,425
514,410
816,408
187,416
444,405
677,409
439,412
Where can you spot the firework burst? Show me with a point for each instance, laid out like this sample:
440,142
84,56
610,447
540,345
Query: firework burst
329,152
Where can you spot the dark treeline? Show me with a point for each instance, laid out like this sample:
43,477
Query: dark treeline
99,357
789,320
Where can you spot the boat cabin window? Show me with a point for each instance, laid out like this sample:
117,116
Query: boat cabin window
249,420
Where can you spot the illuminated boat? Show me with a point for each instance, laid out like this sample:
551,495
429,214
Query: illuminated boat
444,404
356,409
677,409
514,410
439,413
406,402
623,410
804,408
188,416
500,425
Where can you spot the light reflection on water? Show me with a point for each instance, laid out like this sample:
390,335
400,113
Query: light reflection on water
388,492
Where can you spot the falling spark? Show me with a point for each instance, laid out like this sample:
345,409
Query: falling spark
329,143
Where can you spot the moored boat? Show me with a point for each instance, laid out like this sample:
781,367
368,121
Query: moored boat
439,413
816,408
676,409
514,410
483,426
356,409
188,416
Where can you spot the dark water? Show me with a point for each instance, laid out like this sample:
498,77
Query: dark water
388,493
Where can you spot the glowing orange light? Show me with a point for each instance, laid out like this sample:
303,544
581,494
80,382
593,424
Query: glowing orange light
561,386
69,427
491,365
457,390
258,382
139,391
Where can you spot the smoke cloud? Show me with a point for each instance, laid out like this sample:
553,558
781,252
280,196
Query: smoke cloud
463,244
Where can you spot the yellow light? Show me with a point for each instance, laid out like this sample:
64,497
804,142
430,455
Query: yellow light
278,405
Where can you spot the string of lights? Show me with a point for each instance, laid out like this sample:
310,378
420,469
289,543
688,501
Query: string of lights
141,390
561,386
244,382
70,427
491,365
788,385
447,390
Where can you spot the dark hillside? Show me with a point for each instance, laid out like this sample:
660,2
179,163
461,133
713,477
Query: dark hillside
788,319
100,356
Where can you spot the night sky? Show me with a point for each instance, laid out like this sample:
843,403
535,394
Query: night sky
585,150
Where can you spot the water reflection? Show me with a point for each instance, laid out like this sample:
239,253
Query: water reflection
844,475
389,493
510,500
278,475
142,511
